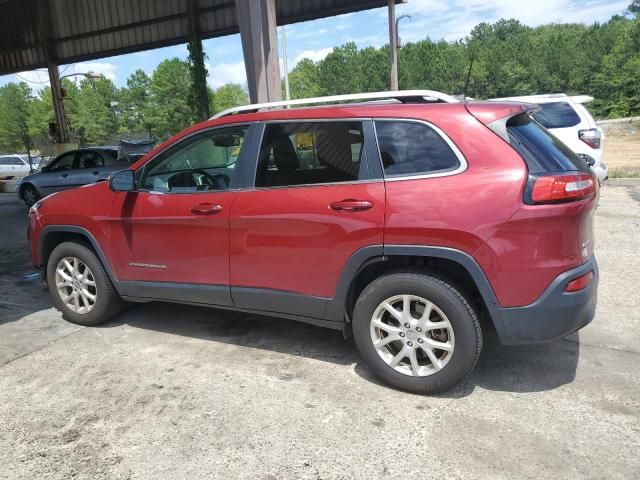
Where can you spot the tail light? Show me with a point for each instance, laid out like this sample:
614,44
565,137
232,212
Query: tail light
579,283
558,188
591,137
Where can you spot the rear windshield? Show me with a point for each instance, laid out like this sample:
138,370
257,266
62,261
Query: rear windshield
557,115
540,149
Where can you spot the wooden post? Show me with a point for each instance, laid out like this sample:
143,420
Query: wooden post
257,21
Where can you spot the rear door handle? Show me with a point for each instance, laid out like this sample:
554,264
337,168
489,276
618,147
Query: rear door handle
206,209
97,172
351,205
64,175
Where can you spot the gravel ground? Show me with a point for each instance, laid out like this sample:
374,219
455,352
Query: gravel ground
169,391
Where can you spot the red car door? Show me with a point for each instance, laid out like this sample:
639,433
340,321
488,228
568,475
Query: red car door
171,236
314,205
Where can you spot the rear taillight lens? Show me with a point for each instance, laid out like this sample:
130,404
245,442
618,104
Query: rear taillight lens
591,137
579,283
557,188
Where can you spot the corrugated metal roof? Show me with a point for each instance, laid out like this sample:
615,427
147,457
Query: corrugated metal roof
78,30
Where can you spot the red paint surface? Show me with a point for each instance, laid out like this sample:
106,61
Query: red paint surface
291,239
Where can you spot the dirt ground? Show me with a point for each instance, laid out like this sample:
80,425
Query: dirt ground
622,146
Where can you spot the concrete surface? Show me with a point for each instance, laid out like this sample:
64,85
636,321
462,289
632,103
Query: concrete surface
169,391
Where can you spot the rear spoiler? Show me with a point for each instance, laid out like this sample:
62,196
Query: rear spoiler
495,115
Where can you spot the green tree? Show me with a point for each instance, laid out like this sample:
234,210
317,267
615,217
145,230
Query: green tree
91,111
227,96
303,80
14,117
133,107
170,108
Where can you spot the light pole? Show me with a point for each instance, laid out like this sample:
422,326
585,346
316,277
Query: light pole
60,129
398,41
286,66
392,46
394,42
89,75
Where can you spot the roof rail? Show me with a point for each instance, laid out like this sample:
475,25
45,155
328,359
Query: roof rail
404,96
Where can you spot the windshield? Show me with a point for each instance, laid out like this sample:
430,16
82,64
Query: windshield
557,115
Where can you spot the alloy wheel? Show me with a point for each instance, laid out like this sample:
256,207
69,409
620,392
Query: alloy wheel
412,335
76,285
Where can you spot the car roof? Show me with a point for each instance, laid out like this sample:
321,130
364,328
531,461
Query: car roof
548,98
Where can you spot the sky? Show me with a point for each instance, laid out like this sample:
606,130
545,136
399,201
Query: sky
436,19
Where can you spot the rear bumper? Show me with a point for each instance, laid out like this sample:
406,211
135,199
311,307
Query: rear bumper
555,314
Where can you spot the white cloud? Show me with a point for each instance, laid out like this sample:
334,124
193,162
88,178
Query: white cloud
314,55
454,19
223,73
106,69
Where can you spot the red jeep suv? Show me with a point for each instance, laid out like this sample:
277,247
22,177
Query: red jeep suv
408,225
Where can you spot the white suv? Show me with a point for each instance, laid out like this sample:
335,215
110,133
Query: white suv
568,119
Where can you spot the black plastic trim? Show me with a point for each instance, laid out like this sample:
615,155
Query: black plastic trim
464,259
335,308
89,236
554,314
177,292
278,301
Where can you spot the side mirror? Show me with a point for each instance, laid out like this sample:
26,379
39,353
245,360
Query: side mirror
122,181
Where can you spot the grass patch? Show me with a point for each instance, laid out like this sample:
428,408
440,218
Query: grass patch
630,172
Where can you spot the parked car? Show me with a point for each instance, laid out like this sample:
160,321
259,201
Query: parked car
69,170
568,119
17,165
412,226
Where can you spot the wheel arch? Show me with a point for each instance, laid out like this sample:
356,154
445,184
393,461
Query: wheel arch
28,184
371,262
54,235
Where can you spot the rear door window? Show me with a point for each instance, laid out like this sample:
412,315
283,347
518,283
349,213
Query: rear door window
13,161
557,115
63,162
90,159
306,153
410,148
542,151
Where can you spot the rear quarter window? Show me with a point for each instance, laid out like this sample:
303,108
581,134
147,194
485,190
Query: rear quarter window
541,151
411,148
557,115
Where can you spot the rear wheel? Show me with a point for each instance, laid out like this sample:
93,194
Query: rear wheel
80,287
416,332
30,195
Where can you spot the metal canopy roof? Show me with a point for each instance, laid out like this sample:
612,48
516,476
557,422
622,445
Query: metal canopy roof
80,30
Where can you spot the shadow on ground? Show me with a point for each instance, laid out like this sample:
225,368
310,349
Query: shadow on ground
522,369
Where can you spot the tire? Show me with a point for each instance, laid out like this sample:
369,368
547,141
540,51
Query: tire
460,332
30,195
106,303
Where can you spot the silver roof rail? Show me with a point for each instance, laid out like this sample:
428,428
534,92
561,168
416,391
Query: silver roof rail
404,96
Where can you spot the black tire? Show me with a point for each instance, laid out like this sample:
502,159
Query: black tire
107,304
30,195
463,320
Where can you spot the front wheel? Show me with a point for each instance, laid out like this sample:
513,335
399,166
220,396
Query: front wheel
30,195
416,332
80,287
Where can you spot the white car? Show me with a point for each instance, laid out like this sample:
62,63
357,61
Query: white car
16,166
567,118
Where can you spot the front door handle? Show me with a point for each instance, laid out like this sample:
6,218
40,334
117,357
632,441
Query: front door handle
64,175
96,172
351,205
206,209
